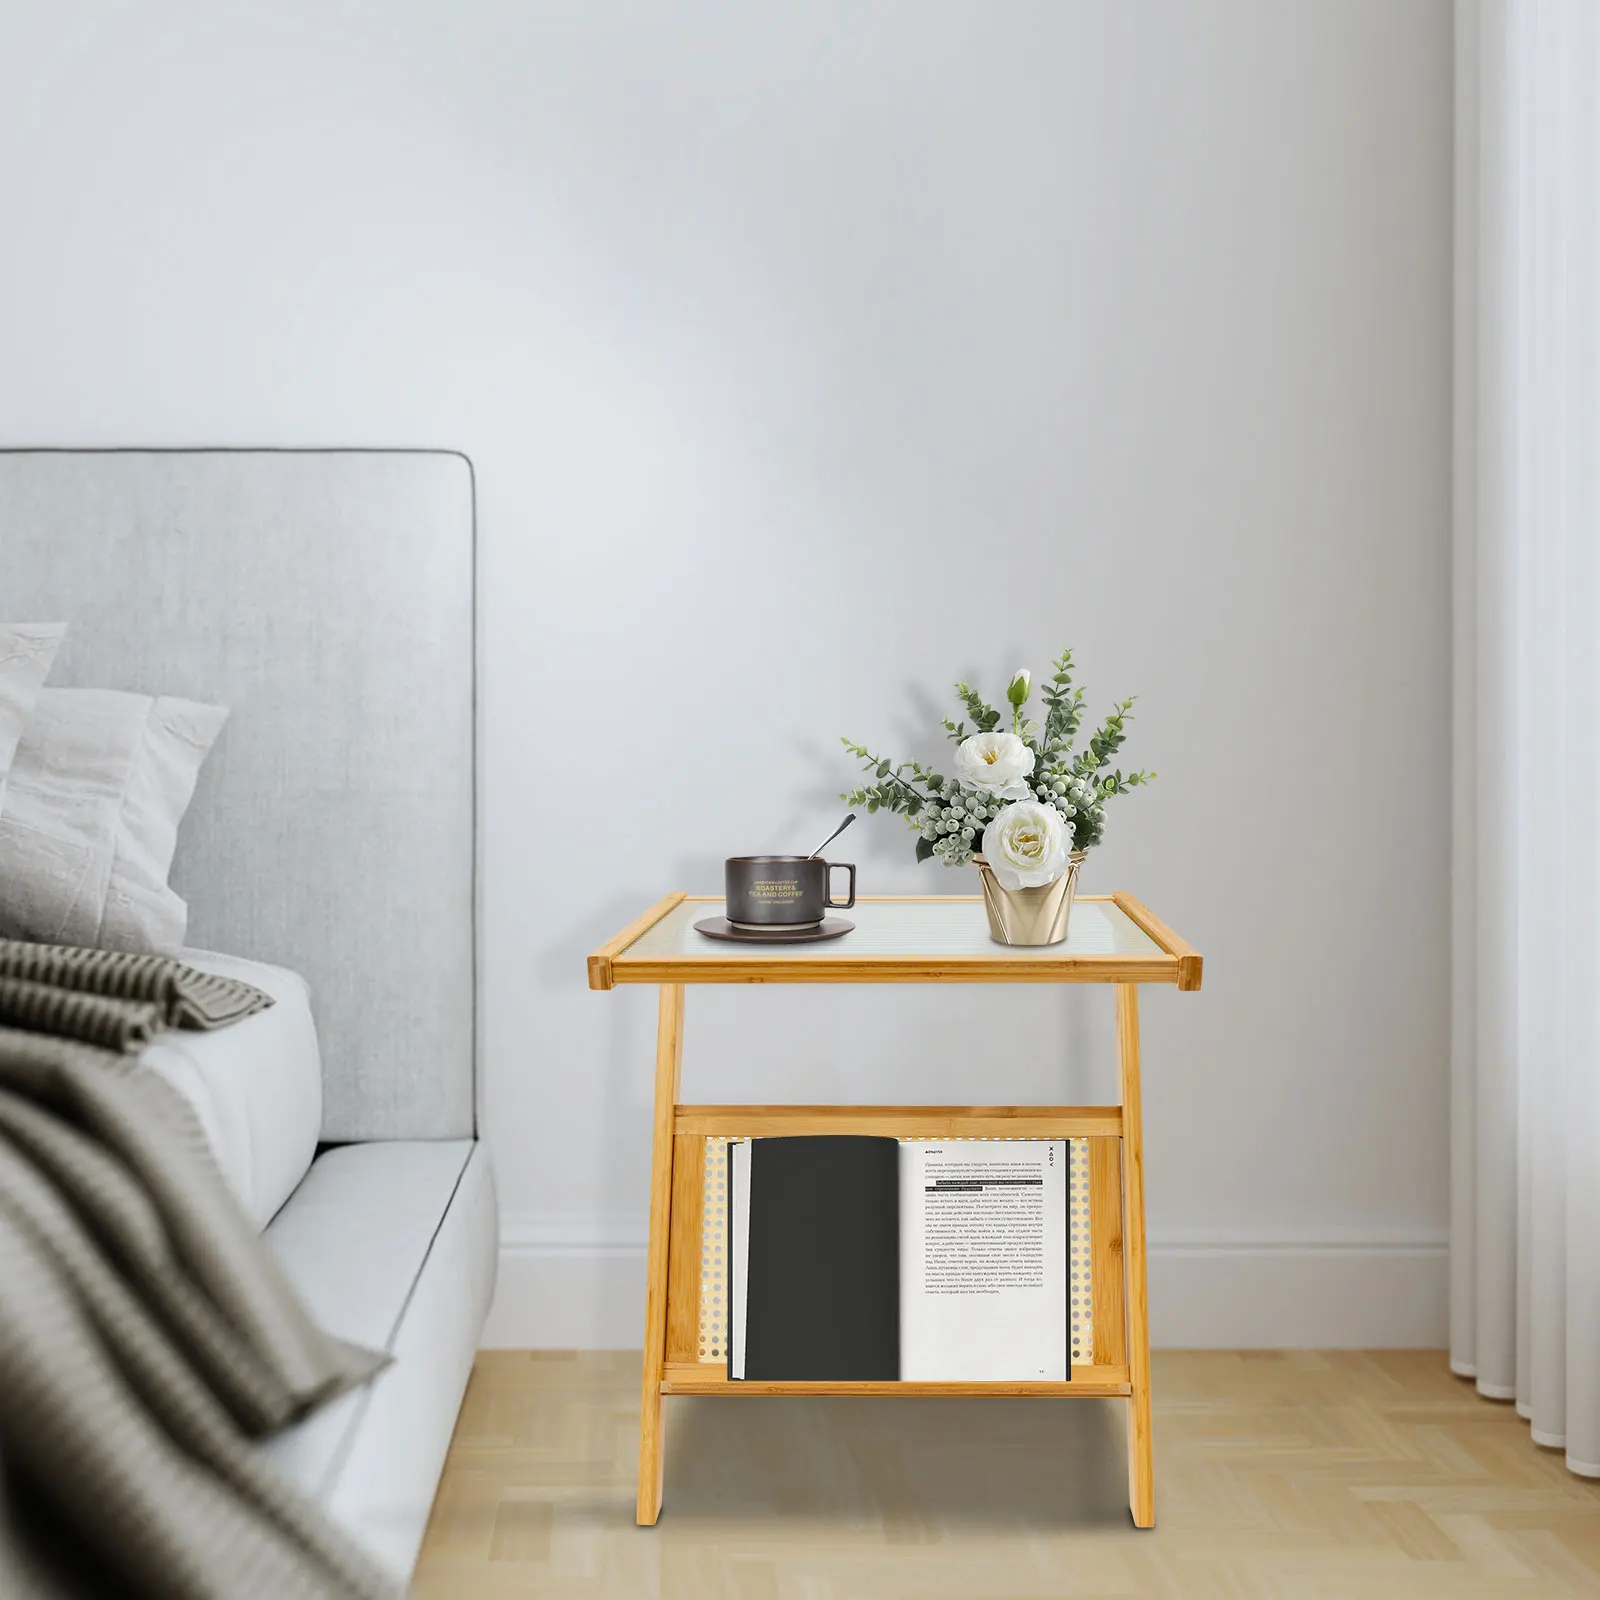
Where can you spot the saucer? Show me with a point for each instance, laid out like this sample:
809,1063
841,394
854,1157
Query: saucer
813,933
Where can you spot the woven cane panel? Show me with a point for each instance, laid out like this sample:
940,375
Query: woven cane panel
713,1254
714,1269
1080,1277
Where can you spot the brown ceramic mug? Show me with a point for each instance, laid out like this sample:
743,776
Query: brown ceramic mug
783,891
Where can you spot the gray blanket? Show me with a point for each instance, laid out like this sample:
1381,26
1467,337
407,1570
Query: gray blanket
147,1336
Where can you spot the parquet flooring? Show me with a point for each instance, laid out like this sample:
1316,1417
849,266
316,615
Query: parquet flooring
1294,1474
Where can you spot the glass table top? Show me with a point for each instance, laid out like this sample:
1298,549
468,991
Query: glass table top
890,930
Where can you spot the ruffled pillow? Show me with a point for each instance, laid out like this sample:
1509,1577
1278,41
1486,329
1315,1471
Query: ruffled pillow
89,824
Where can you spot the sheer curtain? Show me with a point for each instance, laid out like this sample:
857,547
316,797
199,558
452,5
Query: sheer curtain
1525,1226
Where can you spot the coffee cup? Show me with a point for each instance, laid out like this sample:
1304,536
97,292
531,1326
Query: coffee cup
783,891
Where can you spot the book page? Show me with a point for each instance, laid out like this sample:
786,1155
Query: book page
983,1260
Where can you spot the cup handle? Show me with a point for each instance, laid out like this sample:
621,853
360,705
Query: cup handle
841,866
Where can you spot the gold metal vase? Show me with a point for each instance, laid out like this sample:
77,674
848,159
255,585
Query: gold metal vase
1030,916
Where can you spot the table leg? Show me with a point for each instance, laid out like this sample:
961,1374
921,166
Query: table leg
1141,1469
669,1068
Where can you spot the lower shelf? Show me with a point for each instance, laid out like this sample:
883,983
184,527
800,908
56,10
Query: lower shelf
705,1377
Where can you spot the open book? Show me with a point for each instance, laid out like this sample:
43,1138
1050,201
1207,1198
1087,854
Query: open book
853,1257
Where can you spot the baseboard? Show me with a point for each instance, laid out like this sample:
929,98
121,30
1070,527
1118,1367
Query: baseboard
577,1283
567,1283
1313,1292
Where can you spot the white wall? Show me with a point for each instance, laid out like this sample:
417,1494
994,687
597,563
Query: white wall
811,355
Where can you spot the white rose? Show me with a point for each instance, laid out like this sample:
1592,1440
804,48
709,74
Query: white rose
1027,845
997,763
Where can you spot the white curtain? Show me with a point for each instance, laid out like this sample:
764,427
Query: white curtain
1525,1226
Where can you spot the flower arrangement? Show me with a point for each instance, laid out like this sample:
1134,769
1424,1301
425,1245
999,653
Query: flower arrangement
1020,796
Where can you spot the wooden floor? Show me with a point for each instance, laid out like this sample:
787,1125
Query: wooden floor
1294,1474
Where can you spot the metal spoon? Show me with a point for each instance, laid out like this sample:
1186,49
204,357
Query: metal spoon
831,837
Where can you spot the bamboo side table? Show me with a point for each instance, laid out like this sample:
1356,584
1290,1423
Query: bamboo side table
1113,940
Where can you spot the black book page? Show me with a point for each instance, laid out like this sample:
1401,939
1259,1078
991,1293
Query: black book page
822,1296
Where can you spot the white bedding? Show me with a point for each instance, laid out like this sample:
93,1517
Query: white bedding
256,1084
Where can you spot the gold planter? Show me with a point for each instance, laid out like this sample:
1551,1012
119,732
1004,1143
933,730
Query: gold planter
1030,916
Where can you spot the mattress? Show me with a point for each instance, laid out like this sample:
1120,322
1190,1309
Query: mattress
256,1085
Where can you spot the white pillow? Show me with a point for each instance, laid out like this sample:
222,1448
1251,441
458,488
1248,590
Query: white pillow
90,819
26,651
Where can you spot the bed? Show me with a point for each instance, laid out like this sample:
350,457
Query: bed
327,597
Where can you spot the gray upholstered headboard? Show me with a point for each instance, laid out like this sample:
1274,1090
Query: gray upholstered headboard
327,597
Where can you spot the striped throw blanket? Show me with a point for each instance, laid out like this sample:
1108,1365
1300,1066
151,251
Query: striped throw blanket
112,998
147,1336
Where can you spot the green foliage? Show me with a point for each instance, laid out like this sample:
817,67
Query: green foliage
985,719
1065,705
948,817
1107,739
890,790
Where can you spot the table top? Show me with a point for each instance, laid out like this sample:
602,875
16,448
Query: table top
940,939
